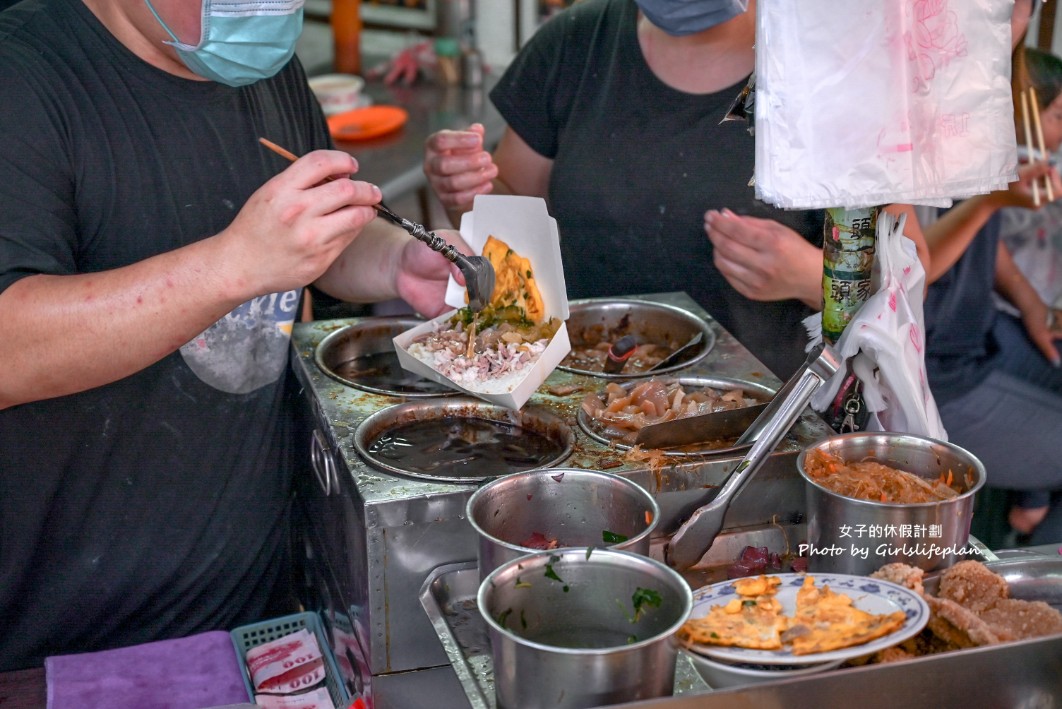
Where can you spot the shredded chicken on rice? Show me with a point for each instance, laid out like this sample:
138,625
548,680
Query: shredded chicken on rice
504,345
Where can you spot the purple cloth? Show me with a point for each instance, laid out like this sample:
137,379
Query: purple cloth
187,673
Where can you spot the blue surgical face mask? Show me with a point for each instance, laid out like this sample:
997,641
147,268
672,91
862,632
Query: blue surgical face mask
683,17
241,42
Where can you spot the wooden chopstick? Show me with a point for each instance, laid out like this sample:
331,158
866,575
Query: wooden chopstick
284,153
1028,140
1040,140
278,150
381,207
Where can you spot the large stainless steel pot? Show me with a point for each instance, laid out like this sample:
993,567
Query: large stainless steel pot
852,536
571,507
567,629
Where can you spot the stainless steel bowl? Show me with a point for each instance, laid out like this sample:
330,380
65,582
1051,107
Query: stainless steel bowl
363,356
571,507
852,536
537,420
760,392
567,630
594,321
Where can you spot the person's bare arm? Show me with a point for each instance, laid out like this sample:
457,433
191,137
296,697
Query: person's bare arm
1012,284
385,262
521,171
950,236
64,334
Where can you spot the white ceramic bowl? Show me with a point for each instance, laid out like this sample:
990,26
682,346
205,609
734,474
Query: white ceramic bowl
337,92
722,675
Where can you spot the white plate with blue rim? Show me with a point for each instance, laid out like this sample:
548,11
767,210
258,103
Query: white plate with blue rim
871,595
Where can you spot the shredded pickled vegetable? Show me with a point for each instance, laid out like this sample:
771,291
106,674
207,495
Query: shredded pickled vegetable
869,480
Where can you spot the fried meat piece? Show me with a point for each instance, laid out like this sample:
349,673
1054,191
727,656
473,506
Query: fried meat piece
1013,619
903,574
973,586
958,626
892,654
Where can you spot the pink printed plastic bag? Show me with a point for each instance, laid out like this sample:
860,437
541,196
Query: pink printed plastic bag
862,102
885,342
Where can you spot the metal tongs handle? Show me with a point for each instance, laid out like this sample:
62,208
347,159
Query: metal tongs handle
696,534
421,233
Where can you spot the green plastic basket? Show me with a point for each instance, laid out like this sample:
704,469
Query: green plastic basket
246,637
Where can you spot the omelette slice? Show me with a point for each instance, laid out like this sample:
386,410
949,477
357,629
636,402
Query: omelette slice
826,621
761,585
514,281
753,620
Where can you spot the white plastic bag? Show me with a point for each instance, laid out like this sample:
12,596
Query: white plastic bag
885,342
863,102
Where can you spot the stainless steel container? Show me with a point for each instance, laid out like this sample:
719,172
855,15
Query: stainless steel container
362,355
569,629
373,536
753,390
852,536
375,443
591,322
571,507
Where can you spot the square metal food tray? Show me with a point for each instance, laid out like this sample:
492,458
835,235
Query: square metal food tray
449,599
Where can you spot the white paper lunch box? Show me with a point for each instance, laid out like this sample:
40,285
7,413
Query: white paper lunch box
525,225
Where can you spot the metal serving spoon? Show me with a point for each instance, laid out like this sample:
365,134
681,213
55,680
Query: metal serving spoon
678,355
477,270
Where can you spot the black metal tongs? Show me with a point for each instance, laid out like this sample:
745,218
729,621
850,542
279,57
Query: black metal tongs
477,270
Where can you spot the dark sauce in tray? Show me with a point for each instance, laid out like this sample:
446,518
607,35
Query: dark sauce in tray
382,371
455,447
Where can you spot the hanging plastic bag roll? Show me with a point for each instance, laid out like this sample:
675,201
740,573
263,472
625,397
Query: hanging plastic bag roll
863,102
885,342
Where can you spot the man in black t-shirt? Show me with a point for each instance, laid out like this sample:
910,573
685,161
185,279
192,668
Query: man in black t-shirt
152,257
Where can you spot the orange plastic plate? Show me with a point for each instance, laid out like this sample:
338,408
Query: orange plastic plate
365,123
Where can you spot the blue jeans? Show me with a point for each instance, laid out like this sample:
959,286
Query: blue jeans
1017,355
1012,421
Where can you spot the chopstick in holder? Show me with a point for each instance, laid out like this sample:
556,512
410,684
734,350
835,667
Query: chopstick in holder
1040,140
1028,140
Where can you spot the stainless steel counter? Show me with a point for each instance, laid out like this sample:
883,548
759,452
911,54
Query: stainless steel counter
378,536
1020,674
1025,675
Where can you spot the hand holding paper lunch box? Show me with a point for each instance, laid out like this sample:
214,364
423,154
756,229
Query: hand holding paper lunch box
505,352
